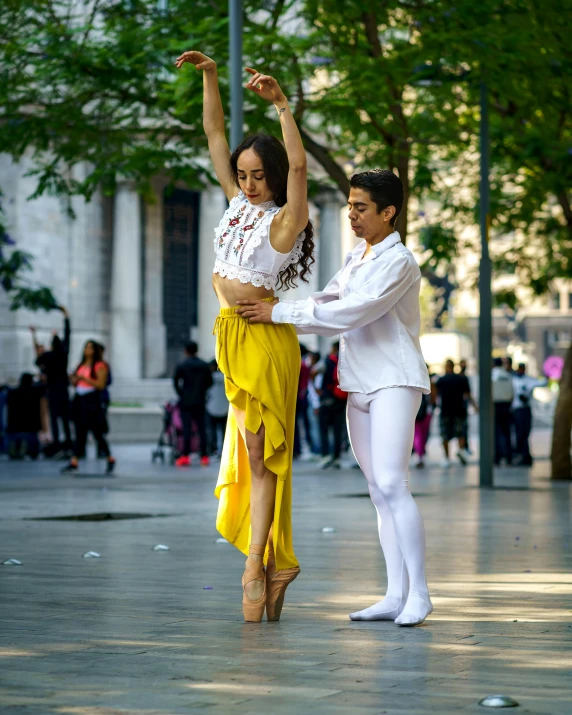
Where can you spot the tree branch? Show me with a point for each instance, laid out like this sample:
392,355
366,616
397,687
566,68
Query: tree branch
389,138
328,163
370,25
90,23
276,13
372,35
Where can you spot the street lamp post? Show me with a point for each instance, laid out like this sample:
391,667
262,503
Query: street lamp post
485,317
486,417
235,61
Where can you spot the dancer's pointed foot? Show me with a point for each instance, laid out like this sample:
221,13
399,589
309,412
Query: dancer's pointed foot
254,585
276,584
388,609
416,610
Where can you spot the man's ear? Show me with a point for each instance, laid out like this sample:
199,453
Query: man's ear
389,213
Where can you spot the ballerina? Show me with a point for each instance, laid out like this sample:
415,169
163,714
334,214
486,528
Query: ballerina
264,240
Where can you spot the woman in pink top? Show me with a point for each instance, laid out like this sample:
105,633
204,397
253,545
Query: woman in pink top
89,380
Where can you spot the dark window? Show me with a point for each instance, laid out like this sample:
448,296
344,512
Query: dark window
556,300
569,301
180,270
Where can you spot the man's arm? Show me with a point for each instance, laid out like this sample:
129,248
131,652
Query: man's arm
434,394
176,378
468,395
354,311
34,340
67,330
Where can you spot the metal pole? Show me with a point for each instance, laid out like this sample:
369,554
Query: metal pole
235,55
486,477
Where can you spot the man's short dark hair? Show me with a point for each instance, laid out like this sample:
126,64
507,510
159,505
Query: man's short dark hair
191,348
384,187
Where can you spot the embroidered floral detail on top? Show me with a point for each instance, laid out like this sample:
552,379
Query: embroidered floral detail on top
242,244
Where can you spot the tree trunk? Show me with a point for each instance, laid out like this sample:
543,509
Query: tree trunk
403,172
561,442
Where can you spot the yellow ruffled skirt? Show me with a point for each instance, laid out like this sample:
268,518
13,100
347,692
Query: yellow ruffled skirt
261,365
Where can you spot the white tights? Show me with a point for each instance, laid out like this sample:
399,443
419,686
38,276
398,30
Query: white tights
381,427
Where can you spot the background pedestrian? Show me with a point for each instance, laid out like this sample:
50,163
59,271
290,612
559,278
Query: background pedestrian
192,379
89,379
217,410
24,421
53,364
333,404
523,386
503,395
453,390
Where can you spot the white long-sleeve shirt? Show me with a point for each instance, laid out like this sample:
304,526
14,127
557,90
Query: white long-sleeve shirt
523,386
373,302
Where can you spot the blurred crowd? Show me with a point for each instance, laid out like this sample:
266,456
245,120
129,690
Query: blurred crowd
38,416
198,420
451,396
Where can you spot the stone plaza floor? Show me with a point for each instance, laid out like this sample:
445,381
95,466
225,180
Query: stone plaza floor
137,631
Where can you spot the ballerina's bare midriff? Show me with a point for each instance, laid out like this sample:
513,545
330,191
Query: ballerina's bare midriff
230,291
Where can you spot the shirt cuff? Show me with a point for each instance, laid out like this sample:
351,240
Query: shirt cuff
282,313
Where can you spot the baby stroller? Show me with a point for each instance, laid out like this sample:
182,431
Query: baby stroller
171,436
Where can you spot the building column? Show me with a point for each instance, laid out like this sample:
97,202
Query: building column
154,329
126,335
212,206
330,203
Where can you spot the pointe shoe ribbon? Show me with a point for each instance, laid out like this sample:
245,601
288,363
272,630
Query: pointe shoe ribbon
254,571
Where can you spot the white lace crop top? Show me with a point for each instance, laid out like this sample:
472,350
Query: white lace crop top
242,244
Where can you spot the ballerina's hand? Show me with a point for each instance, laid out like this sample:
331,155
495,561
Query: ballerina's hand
201,62
265,86
256,311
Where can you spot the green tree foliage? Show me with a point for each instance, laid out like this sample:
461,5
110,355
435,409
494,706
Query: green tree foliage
392,83
14,265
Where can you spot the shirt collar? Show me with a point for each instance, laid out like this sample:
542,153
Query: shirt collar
378,248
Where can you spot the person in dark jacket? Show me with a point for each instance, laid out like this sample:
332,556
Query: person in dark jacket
24,421
54,366
105,397
192,379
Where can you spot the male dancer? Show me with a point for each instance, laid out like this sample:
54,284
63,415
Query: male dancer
373,301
